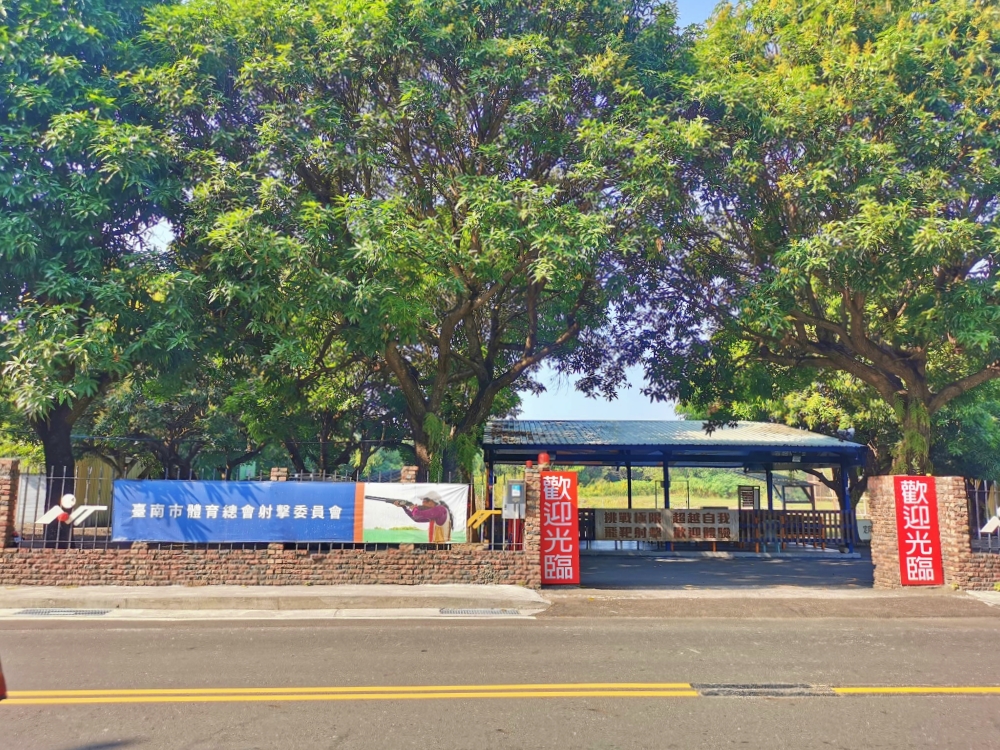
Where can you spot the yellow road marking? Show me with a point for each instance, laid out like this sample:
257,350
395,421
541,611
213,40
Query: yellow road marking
354,689
426,692
359,696
917,689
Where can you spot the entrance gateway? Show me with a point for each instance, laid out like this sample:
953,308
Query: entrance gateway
750,523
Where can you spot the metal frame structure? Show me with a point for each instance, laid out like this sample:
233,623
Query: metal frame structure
765,448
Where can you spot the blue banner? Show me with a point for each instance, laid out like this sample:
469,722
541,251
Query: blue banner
179,511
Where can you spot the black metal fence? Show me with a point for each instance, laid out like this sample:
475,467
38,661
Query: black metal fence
41,522
984,522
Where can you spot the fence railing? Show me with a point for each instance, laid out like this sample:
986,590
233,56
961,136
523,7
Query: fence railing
37,523
795,528
984,523
38,495
758,528
502,534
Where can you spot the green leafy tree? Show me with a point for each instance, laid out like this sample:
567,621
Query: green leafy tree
84,295
172,424
966,431
383,462
18,440
843,195
839,405
327,420
407,178
967,435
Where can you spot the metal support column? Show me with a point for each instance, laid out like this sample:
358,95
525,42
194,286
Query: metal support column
628,474
666,492
845,508
490,479
770,488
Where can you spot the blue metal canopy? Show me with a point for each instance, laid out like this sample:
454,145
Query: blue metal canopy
747,445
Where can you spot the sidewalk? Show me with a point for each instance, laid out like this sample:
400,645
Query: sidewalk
452,601
776,602
270,602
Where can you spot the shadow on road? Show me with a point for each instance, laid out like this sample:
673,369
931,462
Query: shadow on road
621,572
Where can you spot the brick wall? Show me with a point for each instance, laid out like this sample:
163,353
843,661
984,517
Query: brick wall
977,571
9,478
963,568
532,518
140,564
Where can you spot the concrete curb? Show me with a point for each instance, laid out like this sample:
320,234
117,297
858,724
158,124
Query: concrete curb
802,593
272,598
260,615
991,598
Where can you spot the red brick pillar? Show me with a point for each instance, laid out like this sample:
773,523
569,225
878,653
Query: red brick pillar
408,474
953,520
953,523
885,545
533,526
9,480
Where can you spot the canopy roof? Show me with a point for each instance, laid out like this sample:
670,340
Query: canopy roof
748,445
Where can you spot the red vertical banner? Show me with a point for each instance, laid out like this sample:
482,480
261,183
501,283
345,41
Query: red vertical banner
560,529
917,532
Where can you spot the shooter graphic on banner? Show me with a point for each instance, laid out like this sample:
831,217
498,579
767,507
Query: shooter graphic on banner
432,511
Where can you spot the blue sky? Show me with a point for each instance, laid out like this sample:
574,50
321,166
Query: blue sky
694,11
561,400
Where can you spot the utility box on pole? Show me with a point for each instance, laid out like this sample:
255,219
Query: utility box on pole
514,500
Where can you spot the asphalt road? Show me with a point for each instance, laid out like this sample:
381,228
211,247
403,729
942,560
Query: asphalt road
623,571
556,655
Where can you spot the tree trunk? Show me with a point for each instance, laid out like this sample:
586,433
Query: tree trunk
60,467
324,466
176,466
858,481
913,452
180,469
364,455
450,469
234,463
422,451
296,455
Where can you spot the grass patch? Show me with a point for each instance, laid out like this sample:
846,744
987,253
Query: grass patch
407,536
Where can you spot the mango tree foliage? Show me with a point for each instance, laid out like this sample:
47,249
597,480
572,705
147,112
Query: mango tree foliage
843,207
83,296
326,419
407,179
967,435
966,431
168,423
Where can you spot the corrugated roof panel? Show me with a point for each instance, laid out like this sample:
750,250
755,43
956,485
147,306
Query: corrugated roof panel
651,433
